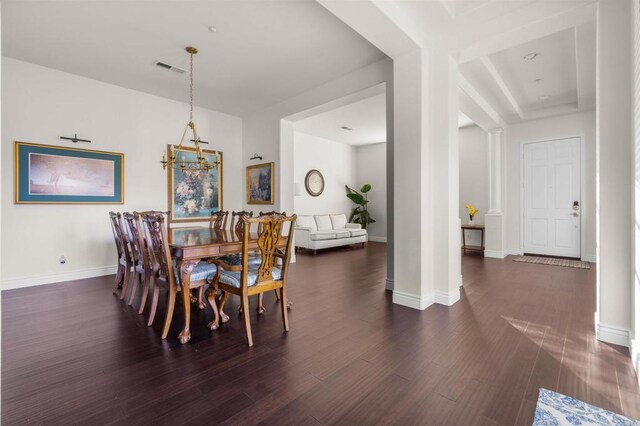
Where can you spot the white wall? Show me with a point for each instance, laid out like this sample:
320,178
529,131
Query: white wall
371,168
337,163
635,18
40,105
474,176
582,125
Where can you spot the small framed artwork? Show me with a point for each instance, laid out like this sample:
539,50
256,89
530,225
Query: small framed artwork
193,194
47,174
260,184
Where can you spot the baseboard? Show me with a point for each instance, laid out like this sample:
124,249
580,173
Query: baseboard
589,258
635,357
447,299
514,252
614,335
388,285
496,254
53,278
411,300
377,239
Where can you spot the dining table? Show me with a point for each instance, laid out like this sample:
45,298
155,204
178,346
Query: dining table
190,245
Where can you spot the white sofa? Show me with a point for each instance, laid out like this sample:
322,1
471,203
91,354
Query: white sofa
324,231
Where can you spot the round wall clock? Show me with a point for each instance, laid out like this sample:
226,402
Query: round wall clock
314,182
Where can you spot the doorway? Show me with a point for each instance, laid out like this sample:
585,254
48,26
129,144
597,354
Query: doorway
552,198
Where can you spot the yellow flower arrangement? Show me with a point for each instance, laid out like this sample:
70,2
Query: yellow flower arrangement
472,210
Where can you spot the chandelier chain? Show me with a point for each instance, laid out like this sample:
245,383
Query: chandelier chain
191,87
200,163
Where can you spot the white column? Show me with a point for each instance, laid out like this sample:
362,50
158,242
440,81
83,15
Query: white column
448,266
426,226
413,285
494,221
496,141
286,201
615,189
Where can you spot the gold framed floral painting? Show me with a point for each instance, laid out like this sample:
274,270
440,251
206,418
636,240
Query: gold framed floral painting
260,184
193,194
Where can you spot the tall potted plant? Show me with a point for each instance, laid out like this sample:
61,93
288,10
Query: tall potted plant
360,214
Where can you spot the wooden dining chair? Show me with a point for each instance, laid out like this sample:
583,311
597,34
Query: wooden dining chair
199,298
233,262
261,304
165,272
251,280
125,262
237,225
218,220
140,254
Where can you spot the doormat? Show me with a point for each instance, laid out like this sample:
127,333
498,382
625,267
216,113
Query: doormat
569,263
555,408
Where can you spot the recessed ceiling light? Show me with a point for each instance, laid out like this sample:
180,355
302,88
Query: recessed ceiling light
530,56
537,80
346,128
212,29
543,97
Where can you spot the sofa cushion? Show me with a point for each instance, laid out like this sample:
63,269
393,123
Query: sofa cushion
342,233
339,221
324,223
323,235
307,222
358,232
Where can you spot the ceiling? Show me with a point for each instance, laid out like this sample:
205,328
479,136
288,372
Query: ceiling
366,118
263,51
519,89
489,39
266,51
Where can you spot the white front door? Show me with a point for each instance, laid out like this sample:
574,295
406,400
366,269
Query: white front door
552,198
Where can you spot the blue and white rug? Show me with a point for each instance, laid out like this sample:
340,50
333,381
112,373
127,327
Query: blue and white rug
555,409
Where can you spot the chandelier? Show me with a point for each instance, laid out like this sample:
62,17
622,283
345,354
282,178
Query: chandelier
181,163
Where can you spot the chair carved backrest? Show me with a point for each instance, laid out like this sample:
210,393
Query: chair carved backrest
167,213
158,244
138,245
142,228
118,235
237,224
270,238
218,220
271,213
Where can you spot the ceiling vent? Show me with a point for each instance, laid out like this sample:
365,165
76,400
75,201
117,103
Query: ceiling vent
169,67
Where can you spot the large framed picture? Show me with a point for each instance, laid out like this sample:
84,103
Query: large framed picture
47,174
193,194
260,184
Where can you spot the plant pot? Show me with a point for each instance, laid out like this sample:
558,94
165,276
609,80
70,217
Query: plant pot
471,223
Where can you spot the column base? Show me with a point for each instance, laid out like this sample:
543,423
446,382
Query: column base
388,284
494,235
412,300
447,299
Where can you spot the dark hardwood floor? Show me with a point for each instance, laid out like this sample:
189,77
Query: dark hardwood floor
72,353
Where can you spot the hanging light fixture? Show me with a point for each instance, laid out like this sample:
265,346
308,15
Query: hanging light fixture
200,163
